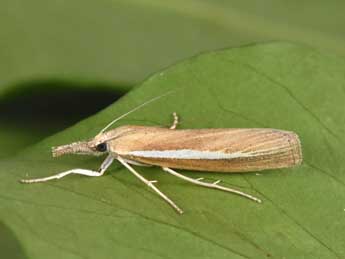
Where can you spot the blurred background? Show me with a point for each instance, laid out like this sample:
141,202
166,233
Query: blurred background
61,61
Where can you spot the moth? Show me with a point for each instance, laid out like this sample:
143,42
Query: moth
216,150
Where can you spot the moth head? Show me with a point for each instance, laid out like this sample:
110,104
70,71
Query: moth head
80,148
96,146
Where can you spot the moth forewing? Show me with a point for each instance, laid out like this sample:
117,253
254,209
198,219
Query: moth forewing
221,150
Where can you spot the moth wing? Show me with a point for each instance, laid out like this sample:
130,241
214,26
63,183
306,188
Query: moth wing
223,150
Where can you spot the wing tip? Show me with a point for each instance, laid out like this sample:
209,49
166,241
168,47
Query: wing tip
296,148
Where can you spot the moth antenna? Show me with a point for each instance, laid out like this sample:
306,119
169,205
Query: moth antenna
136,108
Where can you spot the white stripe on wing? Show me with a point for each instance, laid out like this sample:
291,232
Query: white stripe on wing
191,154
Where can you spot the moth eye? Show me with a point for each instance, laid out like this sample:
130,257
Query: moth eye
101,147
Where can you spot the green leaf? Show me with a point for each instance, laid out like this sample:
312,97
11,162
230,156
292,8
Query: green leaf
274,85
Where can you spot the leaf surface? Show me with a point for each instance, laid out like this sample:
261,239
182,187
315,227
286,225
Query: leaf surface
276,85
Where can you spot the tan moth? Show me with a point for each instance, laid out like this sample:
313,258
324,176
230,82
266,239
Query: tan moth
217,150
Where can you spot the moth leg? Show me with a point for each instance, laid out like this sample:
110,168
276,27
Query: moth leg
132,162
107,162
175,122
210,185
150,184
105,165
